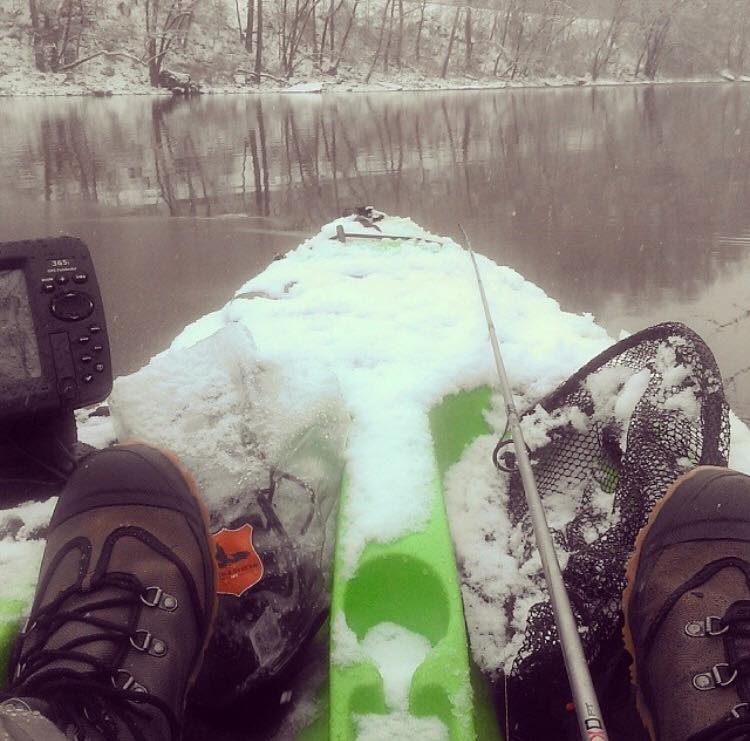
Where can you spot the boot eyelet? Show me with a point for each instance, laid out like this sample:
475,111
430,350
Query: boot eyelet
129,683
157,597
141,644
720,676
703,682
712,620
710,626
740,710
715,677
126,683
151,601
142,640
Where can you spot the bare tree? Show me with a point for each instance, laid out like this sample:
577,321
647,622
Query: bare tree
608,38
386,54
162,30
468,41
347,31
259,43
249,26
386,7
737,35
57,28
239,19
655,21
327,37
511,38
400,40
420,26
451,41
292,32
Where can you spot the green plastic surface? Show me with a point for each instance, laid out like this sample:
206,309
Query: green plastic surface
413,582
10,622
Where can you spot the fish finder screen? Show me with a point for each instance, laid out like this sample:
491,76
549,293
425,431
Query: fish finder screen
19,353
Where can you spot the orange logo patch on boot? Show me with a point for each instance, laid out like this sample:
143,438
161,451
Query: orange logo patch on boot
240,566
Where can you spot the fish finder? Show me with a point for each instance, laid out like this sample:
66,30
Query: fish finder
54,349
54,358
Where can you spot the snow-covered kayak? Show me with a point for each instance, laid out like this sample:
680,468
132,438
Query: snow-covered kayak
372,334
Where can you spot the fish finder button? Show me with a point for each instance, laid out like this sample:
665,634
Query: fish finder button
72,306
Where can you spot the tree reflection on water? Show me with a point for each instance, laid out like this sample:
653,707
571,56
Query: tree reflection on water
627,202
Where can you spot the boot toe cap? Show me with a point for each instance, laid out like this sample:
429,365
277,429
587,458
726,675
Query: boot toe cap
127,474
708,504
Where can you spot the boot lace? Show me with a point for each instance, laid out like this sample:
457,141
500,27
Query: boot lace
89,697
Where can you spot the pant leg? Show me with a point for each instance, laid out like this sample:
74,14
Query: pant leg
19,722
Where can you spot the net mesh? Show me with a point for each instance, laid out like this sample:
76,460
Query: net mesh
665,413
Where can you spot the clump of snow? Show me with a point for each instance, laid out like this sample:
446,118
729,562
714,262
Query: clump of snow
539,423
22,547
685,402
346,646
19,562
227,415
27,519
628,398
615,392
397,652
394,650
604,385
305,87
476,499
96,430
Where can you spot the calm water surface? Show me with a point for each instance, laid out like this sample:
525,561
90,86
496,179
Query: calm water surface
630,203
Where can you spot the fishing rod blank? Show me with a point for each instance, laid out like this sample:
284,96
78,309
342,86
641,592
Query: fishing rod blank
589,715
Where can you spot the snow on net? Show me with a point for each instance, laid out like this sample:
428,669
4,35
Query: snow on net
604,447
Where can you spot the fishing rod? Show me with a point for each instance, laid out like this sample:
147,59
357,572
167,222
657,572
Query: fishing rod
590,721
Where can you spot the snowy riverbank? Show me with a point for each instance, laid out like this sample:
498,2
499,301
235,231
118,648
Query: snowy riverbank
103,80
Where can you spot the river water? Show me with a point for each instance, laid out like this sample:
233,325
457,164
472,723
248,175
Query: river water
630,203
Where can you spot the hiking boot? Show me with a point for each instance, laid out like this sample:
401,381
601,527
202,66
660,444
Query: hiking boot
687,610
124,603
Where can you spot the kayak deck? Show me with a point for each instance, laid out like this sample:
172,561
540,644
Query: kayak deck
413,583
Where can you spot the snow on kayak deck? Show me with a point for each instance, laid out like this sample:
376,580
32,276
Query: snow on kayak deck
397,325
400,325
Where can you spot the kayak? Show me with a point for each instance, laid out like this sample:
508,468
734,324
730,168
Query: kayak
391,312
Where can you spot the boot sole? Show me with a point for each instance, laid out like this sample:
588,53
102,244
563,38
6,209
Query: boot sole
630,573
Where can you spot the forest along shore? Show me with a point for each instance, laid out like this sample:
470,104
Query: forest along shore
79,47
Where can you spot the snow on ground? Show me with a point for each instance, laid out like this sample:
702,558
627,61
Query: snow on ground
379,331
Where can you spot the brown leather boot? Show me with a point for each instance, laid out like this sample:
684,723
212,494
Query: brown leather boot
124,603
687,610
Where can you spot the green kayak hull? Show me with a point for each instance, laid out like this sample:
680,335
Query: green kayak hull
413,582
